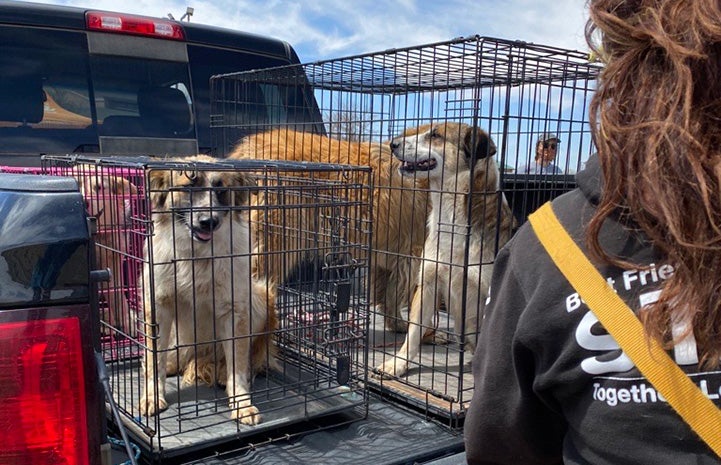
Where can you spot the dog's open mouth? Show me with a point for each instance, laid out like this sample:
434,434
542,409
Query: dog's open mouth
201,227
201,235
424,165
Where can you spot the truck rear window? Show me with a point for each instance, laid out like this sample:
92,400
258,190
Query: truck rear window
61,95
58,99
142,98
44,91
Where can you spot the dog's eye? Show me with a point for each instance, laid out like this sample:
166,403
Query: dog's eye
218,183
434,134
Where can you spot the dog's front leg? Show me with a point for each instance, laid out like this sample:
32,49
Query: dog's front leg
423,307
475,304
236,347
385,295
466,314
153,400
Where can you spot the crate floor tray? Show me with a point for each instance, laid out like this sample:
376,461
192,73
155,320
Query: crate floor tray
439,382
198,416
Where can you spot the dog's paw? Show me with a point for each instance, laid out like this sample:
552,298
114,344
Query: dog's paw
389,369
249,415
431,336
171,366
204,370
149,407
191,375
396,325
439,338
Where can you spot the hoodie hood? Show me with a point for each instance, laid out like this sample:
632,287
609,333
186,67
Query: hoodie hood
589,180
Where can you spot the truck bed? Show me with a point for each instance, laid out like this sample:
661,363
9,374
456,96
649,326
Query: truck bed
197,418
389,435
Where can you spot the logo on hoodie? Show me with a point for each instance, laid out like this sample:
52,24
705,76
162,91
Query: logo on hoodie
591,336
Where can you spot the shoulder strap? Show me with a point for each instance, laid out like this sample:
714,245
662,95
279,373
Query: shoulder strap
623,325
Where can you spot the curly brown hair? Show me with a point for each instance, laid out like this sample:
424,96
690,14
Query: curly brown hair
656,122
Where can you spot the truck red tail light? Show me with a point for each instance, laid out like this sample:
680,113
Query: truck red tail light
43,416
136,25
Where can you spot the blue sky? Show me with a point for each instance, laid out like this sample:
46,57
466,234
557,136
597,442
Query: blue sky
325,29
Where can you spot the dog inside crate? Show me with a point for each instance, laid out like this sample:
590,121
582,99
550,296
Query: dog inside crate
198,288
400,207
113,200
469,220
510,91
401,213
206,321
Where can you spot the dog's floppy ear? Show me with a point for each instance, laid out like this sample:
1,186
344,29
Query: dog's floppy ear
477,145
159,184
121,186
242,196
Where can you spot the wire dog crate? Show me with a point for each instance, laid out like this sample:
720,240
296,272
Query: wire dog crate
181,238
512,90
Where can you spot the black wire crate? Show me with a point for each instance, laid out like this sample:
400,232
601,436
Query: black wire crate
448,130
202,348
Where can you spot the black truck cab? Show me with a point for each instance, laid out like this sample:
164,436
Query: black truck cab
75,80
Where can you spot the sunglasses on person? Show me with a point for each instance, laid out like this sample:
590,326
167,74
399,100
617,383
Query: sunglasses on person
550,145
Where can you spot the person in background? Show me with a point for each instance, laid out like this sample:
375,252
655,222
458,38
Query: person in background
544,161
551,385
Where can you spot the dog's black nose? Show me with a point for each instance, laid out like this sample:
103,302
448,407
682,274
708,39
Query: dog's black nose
208,223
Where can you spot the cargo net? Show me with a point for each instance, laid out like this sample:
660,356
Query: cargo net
202,344
425,118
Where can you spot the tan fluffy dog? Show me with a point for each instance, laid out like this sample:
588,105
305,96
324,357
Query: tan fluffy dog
457,160
109,200
399,214
198,279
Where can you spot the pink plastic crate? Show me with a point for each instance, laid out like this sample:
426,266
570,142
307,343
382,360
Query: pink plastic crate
115,197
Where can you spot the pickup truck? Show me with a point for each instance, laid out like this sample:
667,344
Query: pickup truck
97,83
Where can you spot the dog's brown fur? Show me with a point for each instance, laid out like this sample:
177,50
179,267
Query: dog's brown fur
109,199
457,161
399,214
199,260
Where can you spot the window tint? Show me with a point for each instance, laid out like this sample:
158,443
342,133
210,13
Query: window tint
142,98
47,107
57,98
44,92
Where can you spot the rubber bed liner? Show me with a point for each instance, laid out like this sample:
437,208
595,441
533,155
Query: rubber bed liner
389,435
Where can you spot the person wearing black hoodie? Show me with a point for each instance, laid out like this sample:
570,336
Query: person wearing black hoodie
551,385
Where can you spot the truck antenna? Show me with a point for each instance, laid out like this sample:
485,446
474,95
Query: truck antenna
188,13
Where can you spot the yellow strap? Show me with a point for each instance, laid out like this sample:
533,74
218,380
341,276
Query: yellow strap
623,325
